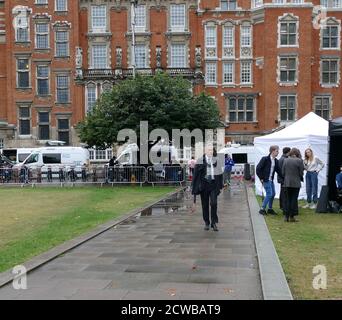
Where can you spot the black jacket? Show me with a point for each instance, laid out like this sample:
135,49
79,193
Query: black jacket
199,175
263,169
281,163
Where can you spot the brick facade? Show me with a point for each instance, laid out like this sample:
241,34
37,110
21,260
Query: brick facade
266,64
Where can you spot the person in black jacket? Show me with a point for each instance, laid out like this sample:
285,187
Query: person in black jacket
265,170
284,156
208,182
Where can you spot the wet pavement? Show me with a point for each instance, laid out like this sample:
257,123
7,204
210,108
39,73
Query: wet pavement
161,253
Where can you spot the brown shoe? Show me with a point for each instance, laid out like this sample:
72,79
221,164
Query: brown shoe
292,219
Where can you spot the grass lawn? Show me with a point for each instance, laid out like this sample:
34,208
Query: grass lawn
33,221
315,240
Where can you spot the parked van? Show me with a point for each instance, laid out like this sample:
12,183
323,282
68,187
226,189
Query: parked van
18,155
240,154
57,156
129,156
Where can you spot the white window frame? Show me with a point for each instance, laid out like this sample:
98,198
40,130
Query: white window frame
228,5
287,83
177,27
210,45
23,70
46,34
210,64
246,36
330,85
65,9
295,107
66,88
338,25
173,63
137,48
92,85
93,48
257,3
288,18
236,111
46,78
67,42
227,45
329,97
143,18
103,27
224,64
250,64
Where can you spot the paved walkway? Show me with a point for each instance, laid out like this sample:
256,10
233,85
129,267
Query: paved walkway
162,253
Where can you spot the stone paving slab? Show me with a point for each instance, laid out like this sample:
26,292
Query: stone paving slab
163,256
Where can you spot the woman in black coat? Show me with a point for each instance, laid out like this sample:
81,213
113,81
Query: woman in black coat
208,183
293,172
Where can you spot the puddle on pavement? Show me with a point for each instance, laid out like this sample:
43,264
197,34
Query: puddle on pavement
176,204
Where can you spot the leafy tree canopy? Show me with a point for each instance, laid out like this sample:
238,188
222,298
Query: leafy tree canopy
165,102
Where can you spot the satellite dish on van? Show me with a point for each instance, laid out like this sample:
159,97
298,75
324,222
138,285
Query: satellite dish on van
55,143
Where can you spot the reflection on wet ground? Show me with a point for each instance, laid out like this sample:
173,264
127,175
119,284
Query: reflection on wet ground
161,253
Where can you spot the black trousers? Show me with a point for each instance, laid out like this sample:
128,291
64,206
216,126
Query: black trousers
282,197
209,193
291,202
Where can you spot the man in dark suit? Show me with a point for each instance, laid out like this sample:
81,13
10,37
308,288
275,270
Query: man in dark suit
285,155
265,170
208,182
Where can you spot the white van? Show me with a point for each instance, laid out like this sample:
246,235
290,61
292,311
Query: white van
23,153
57,157
240,154
128,156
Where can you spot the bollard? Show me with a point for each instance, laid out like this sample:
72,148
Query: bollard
61,175
84,174
49,174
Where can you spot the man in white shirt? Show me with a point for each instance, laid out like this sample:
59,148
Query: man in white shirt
208,183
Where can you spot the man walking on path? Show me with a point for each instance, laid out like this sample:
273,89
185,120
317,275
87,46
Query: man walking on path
208,182
284,156
265,170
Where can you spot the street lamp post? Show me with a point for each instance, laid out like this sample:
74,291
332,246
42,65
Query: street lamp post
134,4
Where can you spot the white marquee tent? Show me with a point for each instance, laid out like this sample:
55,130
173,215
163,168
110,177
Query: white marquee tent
311,131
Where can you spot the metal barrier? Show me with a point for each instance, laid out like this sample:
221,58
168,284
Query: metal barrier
66,175
166,174
128,175
13,176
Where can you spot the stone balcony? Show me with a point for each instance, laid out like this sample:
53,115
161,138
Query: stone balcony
118,74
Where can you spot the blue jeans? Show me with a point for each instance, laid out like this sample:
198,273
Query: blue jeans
311,180
270,194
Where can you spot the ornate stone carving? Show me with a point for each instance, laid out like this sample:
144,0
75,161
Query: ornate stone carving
158,57
246,52
119,57
228,52
211,52
79,57
198,57
79,63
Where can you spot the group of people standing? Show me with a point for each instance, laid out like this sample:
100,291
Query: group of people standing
290,170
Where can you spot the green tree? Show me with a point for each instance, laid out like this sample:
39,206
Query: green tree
163,101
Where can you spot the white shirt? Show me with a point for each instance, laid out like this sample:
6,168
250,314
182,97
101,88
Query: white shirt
210,162
272,167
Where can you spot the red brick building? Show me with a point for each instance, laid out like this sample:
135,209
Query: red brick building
267,63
